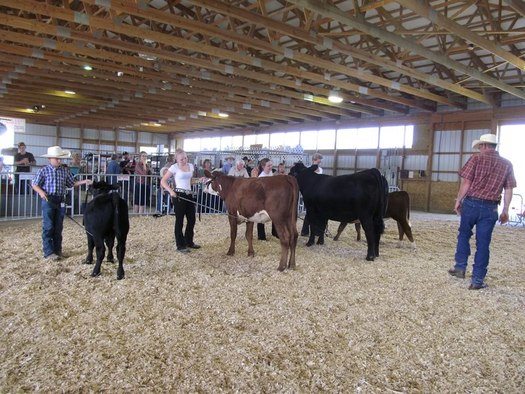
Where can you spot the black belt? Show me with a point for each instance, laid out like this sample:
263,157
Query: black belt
482,200
55,197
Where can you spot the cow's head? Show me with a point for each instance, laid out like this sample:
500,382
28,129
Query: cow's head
297,168
212,185
102,187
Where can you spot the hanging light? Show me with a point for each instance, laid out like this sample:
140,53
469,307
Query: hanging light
334,97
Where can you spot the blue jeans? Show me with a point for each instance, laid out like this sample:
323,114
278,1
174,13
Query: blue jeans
484,216
52,225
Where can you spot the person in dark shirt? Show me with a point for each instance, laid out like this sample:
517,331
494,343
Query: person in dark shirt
51,182
23,161
127,166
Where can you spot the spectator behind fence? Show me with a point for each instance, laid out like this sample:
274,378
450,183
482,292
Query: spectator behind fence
126,164
164,205
23,160
112,170
75,164
206,165
238,170
247,162
51,182
141,197
228,164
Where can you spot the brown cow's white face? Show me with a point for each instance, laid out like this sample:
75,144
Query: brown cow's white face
212,185
209,188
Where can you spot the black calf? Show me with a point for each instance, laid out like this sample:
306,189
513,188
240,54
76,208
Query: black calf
106,217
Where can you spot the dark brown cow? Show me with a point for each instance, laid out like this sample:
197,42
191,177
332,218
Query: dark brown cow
259,200
398,209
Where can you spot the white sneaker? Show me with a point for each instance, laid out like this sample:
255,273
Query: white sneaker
52,257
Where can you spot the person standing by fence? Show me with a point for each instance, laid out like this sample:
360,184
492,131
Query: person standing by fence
141,197
23,160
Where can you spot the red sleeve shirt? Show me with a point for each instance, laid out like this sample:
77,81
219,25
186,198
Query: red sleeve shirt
489,174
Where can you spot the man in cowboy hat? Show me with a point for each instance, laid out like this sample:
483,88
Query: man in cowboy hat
51,182
484,176
228,164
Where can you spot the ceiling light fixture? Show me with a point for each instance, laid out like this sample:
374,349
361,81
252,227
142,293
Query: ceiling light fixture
334,97
70,92
87,67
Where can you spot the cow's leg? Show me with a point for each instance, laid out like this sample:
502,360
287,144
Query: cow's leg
249,238
408,231
233,234
121,252
294,235
358,230
284,240
101,250
311,237
320,230
110,242
340,229
91,246
368,226
401,233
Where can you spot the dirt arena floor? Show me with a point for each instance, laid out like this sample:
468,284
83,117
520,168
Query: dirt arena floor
209,323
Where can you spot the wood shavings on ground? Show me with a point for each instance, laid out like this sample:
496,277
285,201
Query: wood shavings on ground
207,322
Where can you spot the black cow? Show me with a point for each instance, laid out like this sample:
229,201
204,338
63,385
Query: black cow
344,198
106,217
399,210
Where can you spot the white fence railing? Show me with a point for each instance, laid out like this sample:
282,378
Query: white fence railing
18,200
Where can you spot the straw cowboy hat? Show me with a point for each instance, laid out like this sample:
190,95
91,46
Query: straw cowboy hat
485,139
57,152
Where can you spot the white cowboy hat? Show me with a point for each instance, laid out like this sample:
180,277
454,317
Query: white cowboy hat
485,139
57,152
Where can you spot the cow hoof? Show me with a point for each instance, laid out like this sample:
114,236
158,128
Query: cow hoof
369,258
95,274
281,269
251,254
119,277
111,260
309,243
320,242
86,261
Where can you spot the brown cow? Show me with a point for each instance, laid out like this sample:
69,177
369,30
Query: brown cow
259,200
398,209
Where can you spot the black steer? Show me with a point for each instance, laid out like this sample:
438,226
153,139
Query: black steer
106,217
399,210
361,196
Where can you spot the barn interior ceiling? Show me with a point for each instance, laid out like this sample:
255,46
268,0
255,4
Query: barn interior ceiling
210,65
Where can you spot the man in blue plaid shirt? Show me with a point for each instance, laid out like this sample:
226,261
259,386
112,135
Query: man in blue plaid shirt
51,183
